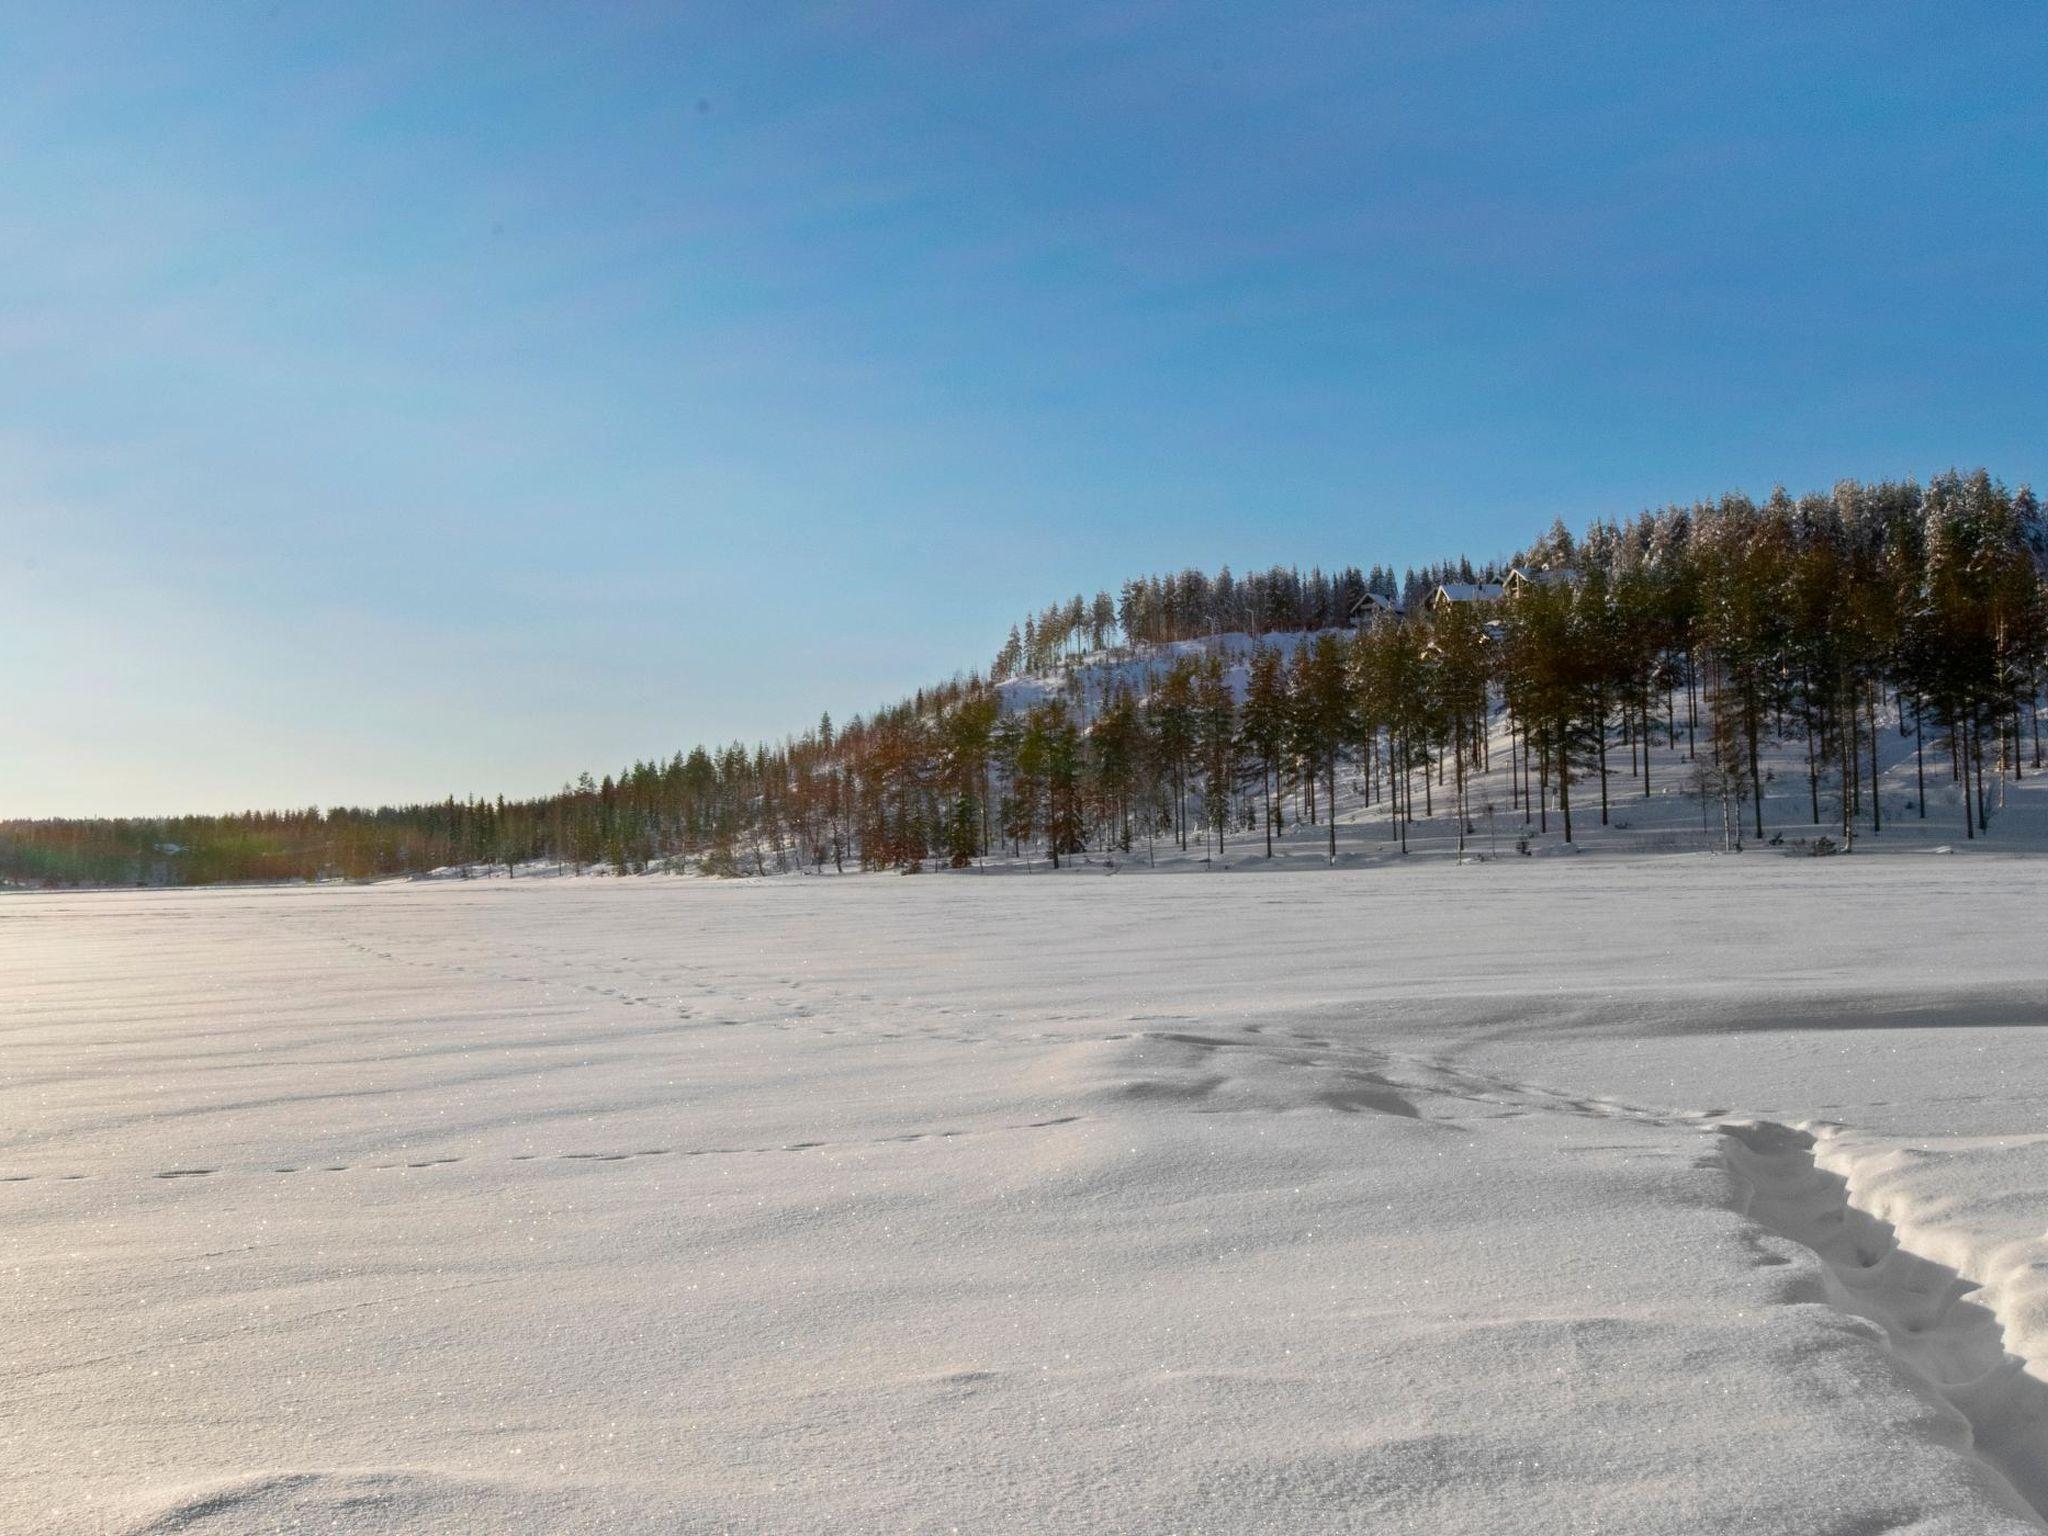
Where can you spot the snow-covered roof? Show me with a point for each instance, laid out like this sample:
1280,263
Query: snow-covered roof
1522,576
1374,603
1466,592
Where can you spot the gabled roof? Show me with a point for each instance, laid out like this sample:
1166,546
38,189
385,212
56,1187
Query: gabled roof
1465,592
1522,576
1373,604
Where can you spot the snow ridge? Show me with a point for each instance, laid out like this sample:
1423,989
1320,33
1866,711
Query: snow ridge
1953,1348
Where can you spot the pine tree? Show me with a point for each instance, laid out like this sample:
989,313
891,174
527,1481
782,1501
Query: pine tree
1265,725
1216,745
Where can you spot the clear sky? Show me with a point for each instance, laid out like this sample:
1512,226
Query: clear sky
406,400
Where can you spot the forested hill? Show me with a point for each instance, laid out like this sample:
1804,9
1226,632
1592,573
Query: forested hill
1796,632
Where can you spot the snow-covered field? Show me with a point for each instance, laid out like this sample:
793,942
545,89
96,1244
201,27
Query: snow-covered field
1618,1195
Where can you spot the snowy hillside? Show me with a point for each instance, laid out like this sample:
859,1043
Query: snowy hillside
1920,809
1087,679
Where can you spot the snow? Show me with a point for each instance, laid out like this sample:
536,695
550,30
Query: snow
1089,676
1617,1194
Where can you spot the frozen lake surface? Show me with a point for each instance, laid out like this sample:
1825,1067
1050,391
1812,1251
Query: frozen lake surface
1543,1196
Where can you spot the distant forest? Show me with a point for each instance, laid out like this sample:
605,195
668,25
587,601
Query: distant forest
1733,622
1155,609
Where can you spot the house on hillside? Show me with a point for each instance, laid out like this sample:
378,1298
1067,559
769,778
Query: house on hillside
1520,580
1453,593
1375,606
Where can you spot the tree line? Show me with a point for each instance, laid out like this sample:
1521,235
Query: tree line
1191,604
1713,631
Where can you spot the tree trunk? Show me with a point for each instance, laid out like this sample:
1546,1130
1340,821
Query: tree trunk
1461,796
1920,755
1852,761
1983,805
1393,795
1564,786
1330,784
1603,758
1848,785
1407,793
1526,773
1812,767
1692,712
1959,752
1756,778
1646,744
1514,764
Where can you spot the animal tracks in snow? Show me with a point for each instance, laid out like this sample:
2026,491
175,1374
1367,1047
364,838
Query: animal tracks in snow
414,1165
1275,1070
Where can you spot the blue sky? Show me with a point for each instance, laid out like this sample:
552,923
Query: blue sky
397,401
